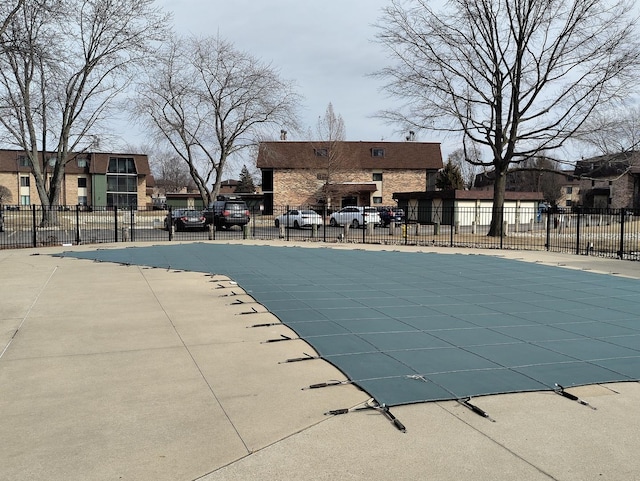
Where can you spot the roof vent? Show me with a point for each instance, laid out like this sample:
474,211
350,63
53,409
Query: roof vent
283,134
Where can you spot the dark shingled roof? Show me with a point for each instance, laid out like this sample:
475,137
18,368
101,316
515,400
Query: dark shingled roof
608,165
98,162
357,155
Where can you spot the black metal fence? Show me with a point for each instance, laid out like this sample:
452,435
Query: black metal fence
605,233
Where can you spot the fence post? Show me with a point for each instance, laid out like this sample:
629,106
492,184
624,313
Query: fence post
170,223
451,230
253,218
622,216
548,242
502,228
286,226
406,228
324,222
578,231
78,240
133,222
115,217
34,237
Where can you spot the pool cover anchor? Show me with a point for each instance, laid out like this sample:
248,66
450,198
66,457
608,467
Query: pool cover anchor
333,382
280,339
307,357
266,324
560,390
466,403
233,293
381,408
239,302
252,311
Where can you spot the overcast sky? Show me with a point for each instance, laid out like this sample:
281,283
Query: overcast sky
325,47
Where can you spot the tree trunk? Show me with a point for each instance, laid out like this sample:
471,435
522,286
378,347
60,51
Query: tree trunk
497,211
50,207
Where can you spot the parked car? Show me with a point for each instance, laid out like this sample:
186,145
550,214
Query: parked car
299,218
390,214
355,216
227,213
184,219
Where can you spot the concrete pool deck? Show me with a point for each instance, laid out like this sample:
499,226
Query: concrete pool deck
125,372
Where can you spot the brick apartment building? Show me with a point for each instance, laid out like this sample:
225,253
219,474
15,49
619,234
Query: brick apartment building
610,181
90,179
303,173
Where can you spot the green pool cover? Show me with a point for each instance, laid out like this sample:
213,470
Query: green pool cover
415,327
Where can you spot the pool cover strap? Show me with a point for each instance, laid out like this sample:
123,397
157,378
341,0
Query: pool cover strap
466,403
560,390
306,357
372,404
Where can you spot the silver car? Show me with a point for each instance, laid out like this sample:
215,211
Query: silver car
355,216
299,218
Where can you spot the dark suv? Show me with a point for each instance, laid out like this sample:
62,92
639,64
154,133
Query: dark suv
227,213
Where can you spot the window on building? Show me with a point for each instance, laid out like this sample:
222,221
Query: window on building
321,152
376,152
569,190
122,182
569,203
121,165
23,160
25,200
52,161
377,200
377,177
82,182
82,200
25,181
82,162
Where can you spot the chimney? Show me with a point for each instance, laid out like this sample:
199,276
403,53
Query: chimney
283,135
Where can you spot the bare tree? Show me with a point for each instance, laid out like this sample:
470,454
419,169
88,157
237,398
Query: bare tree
514,76
329,148
170,172
5,195
209,101
612,132
468,161
539,174
8,10
63,66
